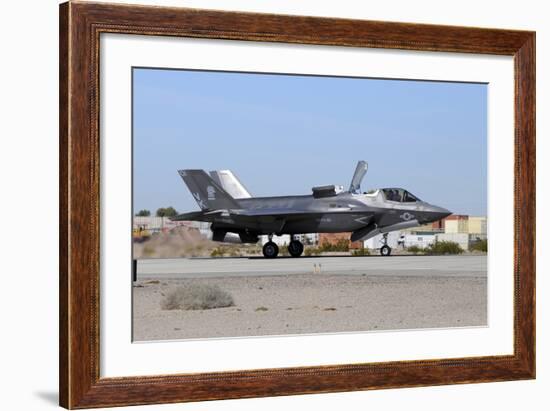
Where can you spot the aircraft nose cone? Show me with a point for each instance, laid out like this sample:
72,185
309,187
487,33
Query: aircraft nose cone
435,213
440,213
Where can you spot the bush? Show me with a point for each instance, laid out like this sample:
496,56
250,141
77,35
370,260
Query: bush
309,251
444,247
360,252
283,250
480,245
148,251
340,245
414,249
234,253
197,297
218,252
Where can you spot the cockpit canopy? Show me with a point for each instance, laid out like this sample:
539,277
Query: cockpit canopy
399,195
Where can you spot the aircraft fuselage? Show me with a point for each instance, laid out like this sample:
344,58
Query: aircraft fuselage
344,212
328,210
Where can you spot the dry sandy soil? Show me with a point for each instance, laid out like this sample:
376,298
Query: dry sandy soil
312,303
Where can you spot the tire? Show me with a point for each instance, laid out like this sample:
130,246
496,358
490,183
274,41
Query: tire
385,250
295,248
270,250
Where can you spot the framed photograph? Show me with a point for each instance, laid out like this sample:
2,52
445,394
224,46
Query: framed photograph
259,205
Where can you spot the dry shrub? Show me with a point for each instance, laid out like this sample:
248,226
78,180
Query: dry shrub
415,249
340,245
178,242
360,252
187,242
197,297
444,248
480,245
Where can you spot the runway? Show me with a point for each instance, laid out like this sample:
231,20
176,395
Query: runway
433,266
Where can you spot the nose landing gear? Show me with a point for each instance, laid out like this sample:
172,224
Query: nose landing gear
385,250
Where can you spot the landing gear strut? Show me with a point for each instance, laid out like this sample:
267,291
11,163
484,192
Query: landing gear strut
385,250
295,247
270,249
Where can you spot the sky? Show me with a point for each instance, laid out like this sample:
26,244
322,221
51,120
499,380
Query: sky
283,134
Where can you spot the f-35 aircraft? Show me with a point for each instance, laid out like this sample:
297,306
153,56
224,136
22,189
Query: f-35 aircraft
329,209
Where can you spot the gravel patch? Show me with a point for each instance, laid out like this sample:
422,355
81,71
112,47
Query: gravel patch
311,303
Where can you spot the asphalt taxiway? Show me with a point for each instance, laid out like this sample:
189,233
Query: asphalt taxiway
436,266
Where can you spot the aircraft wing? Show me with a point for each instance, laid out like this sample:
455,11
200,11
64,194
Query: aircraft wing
286,214
263,213
192,216
202,215
265,219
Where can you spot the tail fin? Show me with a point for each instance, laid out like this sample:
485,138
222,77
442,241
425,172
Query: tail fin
208,194
230,183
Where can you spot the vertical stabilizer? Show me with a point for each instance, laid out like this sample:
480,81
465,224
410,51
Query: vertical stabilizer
208,194
230,183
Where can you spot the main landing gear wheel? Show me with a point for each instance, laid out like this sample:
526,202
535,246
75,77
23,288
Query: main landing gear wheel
295,248
270,250
385,250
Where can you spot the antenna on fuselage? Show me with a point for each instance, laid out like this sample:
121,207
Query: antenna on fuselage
360,171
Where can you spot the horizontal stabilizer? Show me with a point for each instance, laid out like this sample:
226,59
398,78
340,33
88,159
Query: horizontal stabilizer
192,216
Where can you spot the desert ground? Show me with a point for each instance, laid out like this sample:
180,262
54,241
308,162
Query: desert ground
311,295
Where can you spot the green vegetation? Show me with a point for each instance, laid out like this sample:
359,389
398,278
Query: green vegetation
283,250
167,212
480,245
143,213
309,251
148,251
254,249
444,247
197,297
222,251
218,252
360,252
340,245
415,249
234,252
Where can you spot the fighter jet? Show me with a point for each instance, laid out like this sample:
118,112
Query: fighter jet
329,209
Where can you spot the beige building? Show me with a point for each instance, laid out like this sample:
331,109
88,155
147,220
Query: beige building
435,227
477,225
456,224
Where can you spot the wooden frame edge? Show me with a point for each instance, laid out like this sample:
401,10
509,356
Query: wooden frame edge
80,26
64,103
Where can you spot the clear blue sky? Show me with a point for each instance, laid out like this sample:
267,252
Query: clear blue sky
283,134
